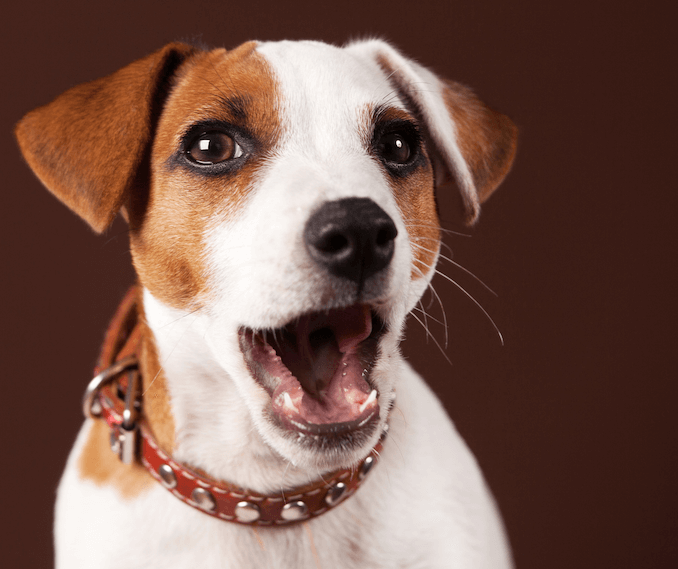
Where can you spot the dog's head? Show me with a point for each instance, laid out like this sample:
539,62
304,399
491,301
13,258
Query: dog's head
286,193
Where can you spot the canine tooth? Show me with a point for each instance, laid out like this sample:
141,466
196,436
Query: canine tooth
287,401
369,400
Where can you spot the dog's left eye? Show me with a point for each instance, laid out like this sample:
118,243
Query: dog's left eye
213,147
394,148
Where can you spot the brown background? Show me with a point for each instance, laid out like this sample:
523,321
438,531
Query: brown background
573,419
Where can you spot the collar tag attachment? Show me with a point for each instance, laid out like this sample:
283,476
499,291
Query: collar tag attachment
124,437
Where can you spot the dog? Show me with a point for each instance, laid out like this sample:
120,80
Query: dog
282,219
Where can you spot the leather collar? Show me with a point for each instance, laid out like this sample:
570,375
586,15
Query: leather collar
114,395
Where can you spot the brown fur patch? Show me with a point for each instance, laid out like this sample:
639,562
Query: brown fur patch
168,227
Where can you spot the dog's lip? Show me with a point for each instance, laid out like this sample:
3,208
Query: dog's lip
317,369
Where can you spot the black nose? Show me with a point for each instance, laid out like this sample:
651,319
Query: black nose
353,238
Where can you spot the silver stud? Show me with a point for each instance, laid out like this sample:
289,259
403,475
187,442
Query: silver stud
247,512
204,499
294,511
366,467
167,476
335,494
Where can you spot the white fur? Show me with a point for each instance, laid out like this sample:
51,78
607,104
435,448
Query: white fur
425,504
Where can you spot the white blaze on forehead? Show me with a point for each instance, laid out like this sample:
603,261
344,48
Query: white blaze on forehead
326,92
324,101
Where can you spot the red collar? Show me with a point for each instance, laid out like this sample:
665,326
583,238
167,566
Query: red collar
113,395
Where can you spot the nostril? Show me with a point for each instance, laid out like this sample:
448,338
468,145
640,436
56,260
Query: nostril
332,242
386,234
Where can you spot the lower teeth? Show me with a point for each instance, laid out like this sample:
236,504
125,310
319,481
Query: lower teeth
369,400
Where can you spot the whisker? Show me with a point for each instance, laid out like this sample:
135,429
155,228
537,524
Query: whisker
432,338
116,236
450,260
438,242
423,311
442,307
462,289
182,317
429,316
437,227
160,365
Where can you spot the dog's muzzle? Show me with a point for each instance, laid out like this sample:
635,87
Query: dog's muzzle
317,367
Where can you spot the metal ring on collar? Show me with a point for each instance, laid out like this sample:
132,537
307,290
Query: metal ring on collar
101,379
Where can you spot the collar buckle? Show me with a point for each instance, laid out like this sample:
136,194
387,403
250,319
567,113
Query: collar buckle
91,407
124,432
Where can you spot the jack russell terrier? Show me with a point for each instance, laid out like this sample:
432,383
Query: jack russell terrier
282,218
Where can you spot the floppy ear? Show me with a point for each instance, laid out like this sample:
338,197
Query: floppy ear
87,144
472,142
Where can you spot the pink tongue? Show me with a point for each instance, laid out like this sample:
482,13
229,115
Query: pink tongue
350,326
323,339
326,383
343,386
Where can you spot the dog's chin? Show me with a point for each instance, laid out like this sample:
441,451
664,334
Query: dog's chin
317,372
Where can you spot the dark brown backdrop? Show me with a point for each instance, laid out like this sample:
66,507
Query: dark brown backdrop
573,419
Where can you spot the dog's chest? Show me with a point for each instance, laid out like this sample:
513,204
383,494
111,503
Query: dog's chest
156,530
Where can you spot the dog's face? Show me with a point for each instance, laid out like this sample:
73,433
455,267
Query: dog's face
284,193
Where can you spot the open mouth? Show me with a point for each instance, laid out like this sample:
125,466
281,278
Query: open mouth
317,370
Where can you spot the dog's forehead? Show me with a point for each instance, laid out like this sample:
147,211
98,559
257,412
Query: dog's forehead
312,67
326,87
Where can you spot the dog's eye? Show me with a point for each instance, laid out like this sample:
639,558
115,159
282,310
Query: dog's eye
394,147
213,147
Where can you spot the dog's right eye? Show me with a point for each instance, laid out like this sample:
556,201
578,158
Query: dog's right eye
213,147
393,147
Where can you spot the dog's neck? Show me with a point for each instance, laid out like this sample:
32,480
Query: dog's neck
193,407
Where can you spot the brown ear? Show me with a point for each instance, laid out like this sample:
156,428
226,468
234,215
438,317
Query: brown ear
486,138
86,145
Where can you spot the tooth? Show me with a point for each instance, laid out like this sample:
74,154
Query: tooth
287,402
369,400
